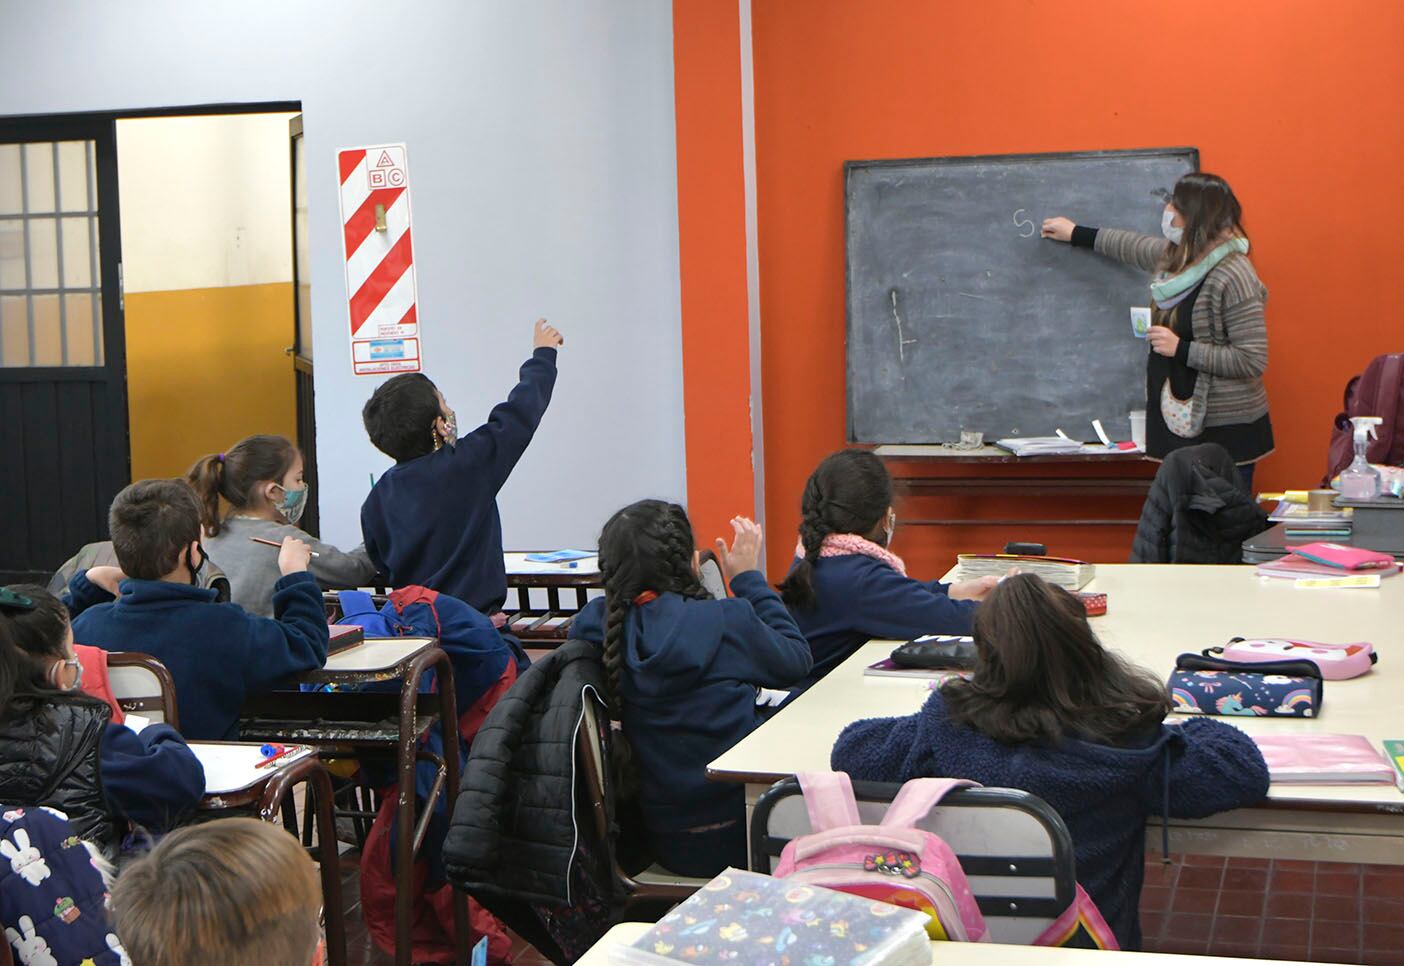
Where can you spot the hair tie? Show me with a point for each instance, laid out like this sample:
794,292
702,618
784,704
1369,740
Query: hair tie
9,600
647,597
221,457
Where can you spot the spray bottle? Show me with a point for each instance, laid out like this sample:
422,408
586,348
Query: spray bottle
1360,480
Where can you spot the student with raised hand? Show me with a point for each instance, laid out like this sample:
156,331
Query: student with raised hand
218,654
260,478
431,519
1050,711
683,669
846,587
1208,341
58,746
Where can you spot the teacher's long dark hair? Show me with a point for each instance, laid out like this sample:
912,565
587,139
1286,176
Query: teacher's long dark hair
1210,211
1042,675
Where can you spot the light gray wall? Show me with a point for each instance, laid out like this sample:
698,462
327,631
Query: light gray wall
543,179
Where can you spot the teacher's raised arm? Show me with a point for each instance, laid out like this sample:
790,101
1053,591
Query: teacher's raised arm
1208,339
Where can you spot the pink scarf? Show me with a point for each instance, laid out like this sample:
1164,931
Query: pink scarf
850,544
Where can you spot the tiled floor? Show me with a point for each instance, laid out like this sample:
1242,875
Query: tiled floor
1320,912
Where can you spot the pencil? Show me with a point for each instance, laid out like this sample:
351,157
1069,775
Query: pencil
275,543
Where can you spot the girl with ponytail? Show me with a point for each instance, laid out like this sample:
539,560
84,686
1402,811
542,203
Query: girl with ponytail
846,587
260,480
682,671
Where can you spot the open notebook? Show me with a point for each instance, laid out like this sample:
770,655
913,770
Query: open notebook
1324,760
234,767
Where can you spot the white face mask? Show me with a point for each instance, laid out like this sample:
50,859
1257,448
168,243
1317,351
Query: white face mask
1175,235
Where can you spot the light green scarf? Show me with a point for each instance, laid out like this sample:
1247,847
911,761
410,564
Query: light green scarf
1169,288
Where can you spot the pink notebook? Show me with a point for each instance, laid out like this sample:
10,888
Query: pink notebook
1324,760
1345,558
1294,566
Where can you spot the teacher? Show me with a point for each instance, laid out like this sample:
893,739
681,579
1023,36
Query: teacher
1208,338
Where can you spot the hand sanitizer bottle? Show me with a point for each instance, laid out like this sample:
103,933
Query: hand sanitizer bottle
1360,480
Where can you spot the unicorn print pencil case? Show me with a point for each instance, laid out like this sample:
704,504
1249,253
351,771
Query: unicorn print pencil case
1204,685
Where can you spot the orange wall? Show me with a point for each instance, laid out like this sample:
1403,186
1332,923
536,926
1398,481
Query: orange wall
712,256
1295,102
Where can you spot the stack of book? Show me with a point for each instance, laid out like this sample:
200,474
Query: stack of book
1062,571
1301,521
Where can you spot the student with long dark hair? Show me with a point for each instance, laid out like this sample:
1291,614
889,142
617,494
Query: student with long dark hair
1051,711
683,669
57,746
260,480
1208,340
846,587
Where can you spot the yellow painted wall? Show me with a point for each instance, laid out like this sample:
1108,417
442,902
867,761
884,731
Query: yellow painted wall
205,368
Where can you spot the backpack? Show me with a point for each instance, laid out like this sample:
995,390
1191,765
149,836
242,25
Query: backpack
893,862
1378,391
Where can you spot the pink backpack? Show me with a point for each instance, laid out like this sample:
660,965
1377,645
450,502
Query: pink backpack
893,862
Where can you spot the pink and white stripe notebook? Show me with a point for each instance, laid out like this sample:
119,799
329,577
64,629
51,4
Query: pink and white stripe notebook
1324,760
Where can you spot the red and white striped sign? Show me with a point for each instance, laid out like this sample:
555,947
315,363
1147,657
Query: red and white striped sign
380,283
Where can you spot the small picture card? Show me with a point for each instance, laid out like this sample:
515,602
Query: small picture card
1140,320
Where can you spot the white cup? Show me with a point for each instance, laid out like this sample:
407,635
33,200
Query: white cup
1138,428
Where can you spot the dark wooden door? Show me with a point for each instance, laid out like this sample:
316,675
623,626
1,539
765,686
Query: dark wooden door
302,332
64,449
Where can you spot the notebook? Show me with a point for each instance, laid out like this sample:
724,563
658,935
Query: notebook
748,918
1324,760
888,668
1344,558
234,767
1293,566
1064,572
1298,516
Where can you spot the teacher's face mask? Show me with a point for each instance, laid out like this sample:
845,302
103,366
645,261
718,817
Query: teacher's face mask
1167,226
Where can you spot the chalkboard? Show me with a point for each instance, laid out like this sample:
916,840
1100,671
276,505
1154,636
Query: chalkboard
960,317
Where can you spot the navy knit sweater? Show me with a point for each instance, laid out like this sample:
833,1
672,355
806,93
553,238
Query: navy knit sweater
218,654
433,520
691,668
151,779
861,598
1103,793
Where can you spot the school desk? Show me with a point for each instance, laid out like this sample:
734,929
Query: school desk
969,954
1155,613
266,790
552,625
359,723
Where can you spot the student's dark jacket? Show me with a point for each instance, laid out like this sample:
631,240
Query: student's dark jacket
688,691
1103,793
217,654
433,520
861,598
1196,512
66,755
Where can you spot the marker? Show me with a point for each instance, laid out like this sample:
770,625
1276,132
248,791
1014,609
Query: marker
272,758
269,750
275,543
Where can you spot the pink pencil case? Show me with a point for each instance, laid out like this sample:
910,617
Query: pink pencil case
1336,661
1345,558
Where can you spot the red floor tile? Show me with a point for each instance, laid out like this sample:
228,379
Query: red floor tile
1329,954
1289,905
1293,865
1241,903
1325,933
1337,909
1203,861
1178,946
1353,868
1287,932
1201,901
1155,898
1197,877
1235,862
1392,956
1152,924
1378,935
1236,929
1191,928
1291,880
1254,880
1161,874
1383,910
1338,883
1239,950
1383,884
1288,951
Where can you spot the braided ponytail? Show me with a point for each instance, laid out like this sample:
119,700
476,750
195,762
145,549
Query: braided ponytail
849,492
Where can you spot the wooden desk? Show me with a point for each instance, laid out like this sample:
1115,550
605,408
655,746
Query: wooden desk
268,796
1154,614
552,625
355,722
971,954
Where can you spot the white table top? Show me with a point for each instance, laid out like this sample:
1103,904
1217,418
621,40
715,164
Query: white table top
518,565
976,954
1154,614
376,654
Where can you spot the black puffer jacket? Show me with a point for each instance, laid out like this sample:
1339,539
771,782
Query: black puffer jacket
1195,512
51,758
514,833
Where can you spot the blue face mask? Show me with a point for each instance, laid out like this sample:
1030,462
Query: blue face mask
294,502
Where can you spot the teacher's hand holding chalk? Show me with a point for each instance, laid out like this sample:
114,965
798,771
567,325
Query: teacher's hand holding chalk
1058,229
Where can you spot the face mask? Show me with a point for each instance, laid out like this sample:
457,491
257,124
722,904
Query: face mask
56,674
195,567
1175,235
294,502
451,429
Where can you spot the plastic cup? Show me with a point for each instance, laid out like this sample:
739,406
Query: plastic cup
1138,428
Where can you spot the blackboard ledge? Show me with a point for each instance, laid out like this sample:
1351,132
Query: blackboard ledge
992,454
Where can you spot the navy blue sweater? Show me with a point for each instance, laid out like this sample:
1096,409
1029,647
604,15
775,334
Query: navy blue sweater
218,654
1103,793
151,779
433,520
861,598
688,691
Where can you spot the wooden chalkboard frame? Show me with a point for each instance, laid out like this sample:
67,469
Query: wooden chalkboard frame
1190,153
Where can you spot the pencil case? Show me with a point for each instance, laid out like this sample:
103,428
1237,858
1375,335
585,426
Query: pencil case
940,653
1095,604
1335,662
1210,685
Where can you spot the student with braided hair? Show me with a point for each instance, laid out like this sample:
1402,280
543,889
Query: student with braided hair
846,587
682,670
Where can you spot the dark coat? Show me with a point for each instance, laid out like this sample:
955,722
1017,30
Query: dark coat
52,759
1195,512
514,831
